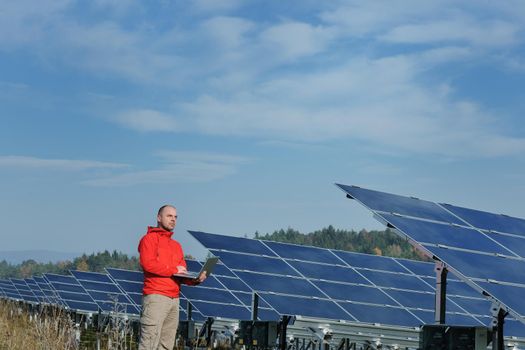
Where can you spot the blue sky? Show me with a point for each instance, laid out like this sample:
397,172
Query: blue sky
244,113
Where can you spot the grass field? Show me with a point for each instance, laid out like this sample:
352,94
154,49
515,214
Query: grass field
20,329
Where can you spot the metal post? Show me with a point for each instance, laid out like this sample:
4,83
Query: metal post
499,319
189,309
441,292
255,306
282,331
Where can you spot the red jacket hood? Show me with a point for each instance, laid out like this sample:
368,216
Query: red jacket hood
160,231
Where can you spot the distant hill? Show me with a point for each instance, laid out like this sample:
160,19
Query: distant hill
16,257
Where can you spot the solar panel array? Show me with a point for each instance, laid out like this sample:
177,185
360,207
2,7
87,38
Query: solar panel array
332,284
289,280
485,250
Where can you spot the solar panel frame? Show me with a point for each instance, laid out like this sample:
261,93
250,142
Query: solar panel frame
24,290
473,267
422,272
108,296
71,293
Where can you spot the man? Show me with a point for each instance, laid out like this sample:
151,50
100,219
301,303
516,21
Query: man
160,258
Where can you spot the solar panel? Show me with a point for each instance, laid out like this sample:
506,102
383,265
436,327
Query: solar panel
23,289
212,298
344,285
50,295
105,293
71,293
9,289
132,282
39,294
485,250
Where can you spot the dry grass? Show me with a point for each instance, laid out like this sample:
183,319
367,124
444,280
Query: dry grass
20,329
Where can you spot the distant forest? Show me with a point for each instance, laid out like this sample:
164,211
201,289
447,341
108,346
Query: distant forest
371,242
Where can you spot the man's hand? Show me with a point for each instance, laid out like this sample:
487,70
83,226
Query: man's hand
201,277
181,269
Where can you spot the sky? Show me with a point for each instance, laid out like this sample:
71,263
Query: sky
244,114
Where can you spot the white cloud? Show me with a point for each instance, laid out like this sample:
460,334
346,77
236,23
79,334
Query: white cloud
177,167
214,6
378,101
293,40
463,30
56,164
147,120
227,32
200,157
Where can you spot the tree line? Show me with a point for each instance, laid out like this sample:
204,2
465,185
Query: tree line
385,242
371,242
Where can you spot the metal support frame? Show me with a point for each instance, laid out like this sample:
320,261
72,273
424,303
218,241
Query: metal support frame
498,321
441,292
189,309
255,306
283,326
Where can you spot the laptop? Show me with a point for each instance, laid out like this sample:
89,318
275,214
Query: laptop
208,267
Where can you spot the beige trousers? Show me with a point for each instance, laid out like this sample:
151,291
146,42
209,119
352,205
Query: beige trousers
158,322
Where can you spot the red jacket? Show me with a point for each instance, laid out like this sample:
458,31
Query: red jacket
159,257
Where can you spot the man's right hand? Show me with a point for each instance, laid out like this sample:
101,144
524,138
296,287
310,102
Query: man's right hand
181,269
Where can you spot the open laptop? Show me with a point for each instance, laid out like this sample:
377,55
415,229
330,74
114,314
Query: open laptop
208,267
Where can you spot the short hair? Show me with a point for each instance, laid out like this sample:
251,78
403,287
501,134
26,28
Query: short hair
164,206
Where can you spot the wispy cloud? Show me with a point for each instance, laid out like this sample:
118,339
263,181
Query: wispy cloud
177,167
355,70
147,120
56,164
459,30
379,101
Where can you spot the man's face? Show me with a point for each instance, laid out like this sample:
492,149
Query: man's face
167,219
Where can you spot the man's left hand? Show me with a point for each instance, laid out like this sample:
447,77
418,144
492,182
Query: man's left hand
201,277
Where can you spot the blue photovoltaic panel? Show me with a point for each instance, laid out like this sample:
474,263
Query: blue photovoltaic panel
105,293
51,296
23,289
238,312
293,305
347,292
279,284
489,221
391,203
473,306
395,280
327,272
482,250
304,253
380,314
9,289
377,283
512,295
430,233
481,266
132,283
418,267
213,242
233,283
452,318
255,263
516,244
71,293
212,298
368,261
225,293
31,283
